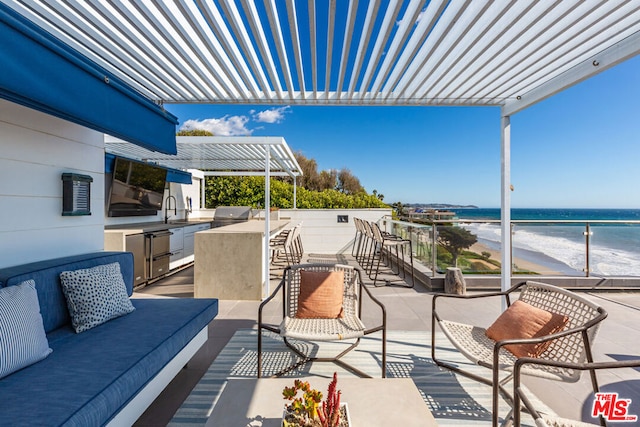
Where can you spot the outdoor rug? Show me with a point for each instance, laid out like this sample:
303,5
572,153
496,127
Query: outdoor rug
453,399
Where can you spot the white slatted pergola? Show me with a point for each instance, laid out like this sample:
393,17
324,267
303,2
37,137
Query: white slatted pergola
505,53
224,156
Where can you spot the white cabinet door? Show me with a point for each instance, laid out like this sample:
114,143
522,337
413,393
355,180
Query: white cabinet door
189,239
176,242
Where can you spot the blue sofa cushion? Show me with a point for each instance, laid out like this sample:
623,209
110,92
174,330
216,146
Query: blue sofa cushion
22,338
95,295
46,274
91,376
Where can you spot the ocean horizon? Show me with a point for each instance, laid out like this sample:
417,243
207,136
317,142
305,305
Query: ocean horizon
614,249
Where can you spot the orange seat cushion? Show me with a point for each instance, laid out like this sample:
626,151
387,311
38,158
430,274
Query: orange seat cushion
522,320
321,294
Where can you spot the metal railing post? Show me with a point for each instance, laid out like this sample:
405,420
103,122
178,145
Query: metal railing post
511,248
434,250
587,237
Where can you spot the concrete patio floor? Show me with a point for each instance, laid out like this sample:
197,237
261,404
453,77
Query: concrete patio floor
410,310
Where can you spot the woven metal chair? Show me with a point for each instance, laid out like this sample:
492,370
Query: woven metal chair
571,345
349,327
522,401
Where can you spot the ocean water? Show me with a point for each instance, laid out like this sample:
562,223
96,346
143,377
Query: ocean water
614,248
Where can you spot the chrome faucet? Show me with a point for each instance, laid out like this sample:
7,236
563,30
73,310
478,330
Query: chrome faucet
166,208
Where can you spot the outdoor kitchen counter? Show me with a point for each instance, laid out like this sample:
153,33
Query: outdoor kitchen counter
230,260
146,227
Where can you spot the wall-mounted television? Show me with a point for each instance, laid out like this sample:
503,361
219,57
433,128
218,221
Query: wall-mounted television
137,188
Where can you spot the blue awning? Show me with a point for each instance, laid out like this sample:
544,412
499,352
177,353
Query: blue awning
178,176
41,72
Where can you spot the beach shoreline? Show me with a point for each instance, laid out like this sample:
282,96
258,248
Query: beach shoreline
519,263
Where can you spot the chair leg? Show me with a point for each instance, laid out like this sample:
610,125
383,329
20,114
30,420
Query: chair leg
337,360
495,383
259,351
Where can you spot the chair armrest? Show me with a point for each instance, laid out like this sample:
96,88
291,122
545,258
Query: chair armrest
375,301
518,391
270,298
506,294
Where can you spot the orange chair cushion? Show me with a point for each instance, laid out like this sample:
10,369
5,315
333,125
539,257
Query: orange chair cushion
522,320
321,294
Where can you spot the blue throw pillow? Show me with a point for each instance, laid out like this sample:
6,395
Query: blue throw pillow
22,337
95,295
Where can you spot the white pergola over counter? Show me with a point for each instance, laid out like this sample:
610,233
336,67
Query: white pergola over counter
223,156
218,155
507,53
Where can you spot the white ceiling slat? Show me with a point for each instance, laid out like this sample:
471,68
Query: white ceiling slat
564,52
466,64
427,21
185,58
87,43
242,35
530,60
213,47
530,33
441,40
276,30
402,33
330,35
381,41
295,40
124,50
167,56
577,65
507,31
263,46
346,44
211,57
369,21
478,28
313,35
213,18
418,52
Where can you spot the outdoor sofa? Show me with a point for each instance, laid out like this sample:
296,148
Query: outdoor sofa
108,374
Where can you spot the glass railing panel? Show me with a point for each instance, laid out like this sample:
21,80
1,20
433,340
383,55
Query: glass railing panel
421,237
480,247
545,248
614,250
549,249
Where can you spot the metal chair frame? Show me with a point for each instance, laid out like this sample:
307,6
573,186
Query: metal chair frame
572,345
354,289
520,396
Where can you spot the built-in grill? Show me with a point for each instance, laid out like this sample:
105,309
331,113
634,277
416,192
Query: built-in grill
227,215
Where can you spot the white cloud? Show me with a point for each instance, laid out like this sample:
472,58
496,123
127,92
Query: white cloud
224,126
274,115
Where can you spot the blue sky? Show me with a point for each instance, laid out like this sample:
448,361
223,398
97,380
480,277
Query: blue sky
580,148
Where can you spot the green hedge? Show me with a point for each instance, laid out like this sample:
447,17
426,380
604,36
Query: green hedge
249,191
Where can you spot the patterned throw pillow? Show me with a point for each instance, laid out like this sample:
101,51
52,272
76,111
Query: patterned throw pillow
22,337
95,295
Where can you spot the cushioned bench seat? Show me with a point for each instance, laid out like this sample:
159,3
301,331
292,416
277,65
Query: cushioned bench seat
91,376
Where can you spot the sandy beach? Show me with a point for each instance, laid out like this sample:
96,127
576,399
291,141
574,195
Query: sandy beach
519,263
